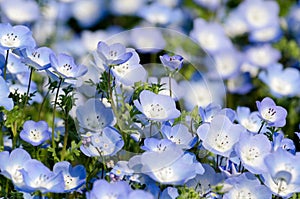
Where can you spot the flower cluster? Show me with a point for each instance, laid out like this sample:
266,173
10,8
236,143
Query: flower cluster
89,110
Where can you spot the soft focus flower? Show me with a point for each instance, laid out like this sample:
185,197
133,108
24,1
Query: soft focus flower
6,102
174,62
250,120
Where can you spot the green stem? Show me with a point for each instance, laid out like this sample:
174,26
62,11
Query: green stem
262,124
170,85
43,103
63,153
5,64
14,131
54,111
28,88
112,103
1,139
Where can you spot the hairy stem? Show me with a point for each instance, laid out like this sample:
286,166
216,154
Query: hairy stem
5,64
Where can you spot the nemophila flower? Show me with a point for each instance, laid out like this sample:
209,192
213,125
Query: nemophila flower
203,183
234,25
210,36
35,133
130,71
106,143
208,113
293,21
273,115
156,107
271,33
121,170
147,39
262,56
252,149
157,145
114,54
74,177
180,135
103,189
14,37
284,143
246,185
281,82
37,176
38,58
240,83
10,165
172,63
93,115
64,66
20,11
138,194
283,173
119,8
6,102
250,120
169,193
211,5
220,135
15,65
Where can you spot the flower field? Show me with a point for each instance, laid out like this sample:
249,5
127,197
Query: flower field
152,99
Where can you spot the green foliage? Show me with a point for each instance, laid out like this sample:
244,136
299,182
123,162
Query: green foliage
73,151
187,193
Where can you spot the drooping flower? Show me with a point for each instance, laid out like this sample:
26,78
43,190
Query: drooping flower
174,62
64,66
283,173
220,135
37,176
13,37
105,143
281,82
10,165
35,133
94,116
74,177
252,149
273,115
156,107
246,185
5,101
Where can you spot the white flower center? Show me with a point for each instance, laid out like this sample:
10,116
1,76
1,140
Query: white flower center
280,86
35,135
155,111
70,182
208,40
66,69
257,16
244,194
251,154
222,142
165,174
121,69
95,122
269,114
10,40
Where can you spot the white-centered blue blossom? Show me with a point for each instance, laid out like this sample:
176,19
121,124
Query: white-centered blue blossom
156,107
281,82
35,133
38,58
250,120
93,115
283,173
246,186
252,149
220,135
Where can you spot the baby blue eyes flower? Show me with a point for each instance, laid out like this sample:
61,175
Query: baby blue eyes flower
6,102
35,133
273,115
74,177
174,62
13,37
250,120
220,135
38,58
281,82
156,107
64,66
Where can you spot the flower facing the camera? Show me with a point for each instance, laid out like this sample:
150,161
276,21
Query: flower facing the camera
35,133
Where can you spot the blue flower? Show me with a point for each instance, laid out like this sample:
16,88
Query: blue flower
94,116
208,113
105,143
10,165
252,150
121,170
246,185
174,62
284,143
157,145
64,66
6,102
103,189
38,58
250,120
220,135
138,194
35,133
156,107
281,82
130,71
37,176
169,193
180,135
13,37
74,177
282,176
273,115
